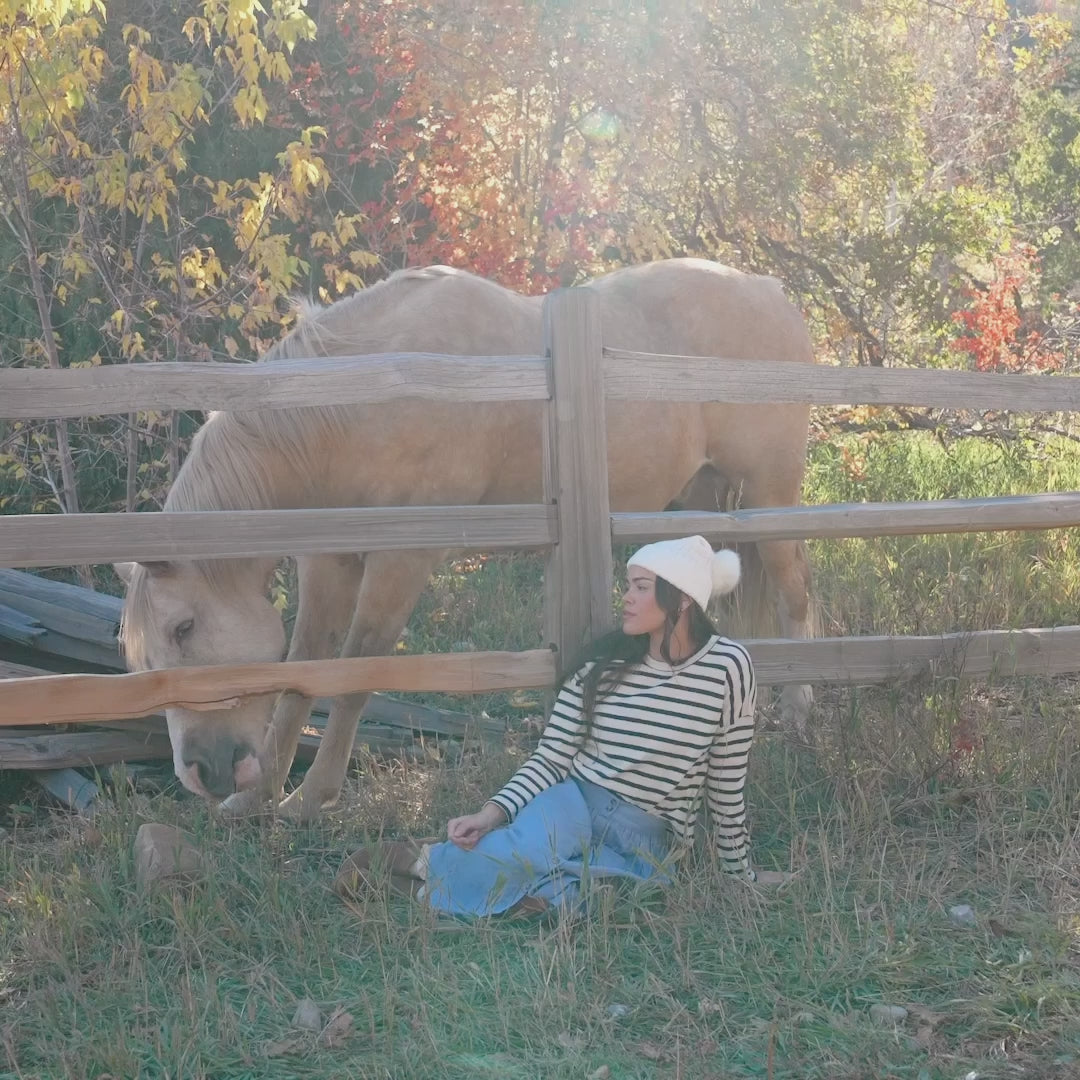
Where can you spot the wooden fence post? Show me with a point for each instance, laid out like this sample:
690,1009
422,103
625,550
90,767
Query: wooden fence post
579,577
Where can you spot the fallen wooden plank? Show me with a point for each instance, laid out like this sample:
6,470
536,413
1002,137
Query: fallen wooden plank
45,748
19,627
54,699
90,602
79,623
49,749
416,719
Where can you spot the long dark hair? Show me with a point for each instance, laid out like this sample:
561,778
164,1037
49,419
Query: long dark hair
614,654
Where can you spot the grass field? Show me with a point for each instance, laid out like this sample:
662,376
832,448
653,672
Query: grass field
884,828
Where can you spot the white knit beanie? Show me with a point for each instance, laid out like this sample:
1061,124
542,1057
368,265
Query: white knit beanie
691,565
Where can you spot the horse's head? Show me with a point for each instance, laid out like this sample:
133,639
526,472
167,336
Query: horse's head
185,614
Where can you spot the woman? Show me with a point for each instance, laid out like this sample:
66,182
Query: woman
660,719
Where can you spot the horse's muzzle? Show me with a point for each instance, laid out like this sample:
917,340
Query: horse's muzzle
218,770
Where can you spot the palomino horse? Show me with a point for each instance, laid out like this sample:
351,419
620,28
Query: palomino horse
421,453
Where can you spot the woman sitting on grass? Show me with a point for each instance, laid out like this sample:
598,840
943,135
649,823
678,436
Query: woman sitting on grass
661,715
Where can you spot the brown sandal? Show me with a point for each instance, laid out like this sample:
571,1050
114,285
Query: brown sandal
394,856
528,906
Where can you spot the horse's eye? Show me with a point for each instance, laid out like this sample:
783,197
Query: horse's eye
182,630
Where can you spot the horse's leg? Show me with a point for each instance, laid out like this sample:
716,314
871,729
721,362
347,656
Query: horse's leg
328,586
392,583
788,568
785,564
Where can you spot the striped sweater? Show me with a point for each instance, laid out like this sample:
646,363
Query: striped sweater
659,739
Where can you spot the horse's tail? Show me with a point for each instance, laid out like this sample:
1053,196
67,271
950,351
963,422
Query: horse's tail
751,611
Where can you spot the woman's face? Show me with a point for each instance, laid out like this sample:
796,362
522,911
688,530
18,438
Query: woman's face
641,614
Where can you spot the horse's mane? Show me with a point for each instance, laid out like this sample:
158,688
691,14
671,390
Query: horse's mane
237,458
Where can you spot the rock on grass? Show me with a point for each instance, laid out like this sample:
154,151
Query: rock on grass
308,1016
164,852
888,1015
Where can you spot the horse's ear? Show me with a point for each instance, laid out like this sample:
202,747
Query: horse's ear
126,570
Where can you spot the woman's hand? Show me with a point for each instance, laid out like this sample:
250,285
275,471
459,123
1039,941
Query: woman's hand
469,830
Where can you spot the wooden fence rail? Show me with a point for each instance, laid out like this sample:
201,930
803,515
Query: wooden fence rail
27,393
56,699
61,539
631,376
846,520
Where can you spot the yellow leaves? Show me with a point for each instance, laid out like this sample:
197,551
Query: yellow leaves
289,23
306,170
221,195
196,27
367,260
147,72
201,270
249,104
75,264
136,35
132,166
132,346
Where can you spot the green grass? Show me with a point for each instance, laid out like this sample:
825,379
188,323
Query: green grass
713,978
936,584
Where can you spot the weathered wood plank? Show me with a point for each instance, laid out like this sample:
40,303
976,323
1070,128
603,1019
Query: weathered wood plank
57,699
632,376
77,624
9,670
61,594
1036,651
65,539
414,719
1051,511
29,393
579,576
19,627
46,749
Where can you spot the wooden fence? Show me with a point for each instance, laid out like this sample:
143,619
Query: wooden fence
574,523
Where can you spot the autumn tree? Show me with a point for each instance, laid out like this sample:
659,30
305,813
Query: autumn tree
135,240
826,143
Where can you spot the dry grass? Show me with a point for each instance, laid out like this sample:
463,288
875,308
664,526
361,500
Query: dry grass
711,978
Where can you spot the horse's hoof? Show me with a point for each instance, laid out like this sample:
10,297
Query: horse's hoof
244,804
304,806
772,877
795,703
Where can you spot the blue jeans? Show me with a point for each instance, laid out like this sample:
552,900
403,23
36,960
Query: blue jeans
570,833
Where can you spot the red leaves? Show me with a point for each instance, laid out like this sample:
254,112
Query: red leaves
996,337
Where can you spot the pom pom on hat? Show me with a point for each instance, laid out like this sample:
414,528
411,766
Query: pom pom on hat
691,565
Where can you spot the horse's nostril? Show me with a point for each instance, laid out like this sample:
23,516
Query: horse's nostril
215,781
